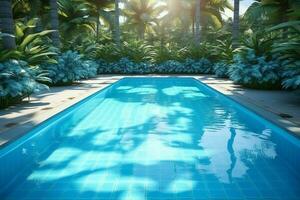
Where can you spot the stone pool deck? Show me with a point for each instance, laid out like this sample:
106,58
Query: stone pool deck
280,107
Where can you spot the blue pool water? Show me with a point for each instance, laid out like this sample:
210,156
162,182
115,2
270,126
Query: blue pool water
153,138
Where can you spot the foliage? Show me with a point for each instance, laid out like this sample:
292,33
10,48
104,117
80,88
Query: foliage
137,51
221,69
288,52
75,20
255,71
260,43
291,77
126,66
91,68
169,52
107,52
17,81
70,68
34,48
204,50
142,15
223,51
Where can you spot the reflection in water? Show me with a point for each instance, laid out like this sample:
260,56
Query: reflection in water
231,152
166,139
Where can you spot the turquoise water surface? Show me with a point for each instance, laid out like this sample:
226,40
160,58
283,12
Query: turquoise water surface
153,138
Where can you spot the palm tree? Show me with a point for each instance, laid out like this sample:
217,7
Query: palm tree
99,10
197,22
142,15
75,20
117,23
7,24
54,22
236,24
271,12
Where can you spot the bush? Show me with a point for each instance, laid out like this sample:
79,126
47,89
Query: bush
221,69
137,51
168,52
70,68
291,77
126,66
91,68
255,72
17,81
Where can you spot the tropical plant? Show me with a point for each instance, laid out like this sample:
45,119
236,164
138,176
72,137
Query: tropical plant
291,77
126,66
34,48
75,22
261,43
224,53
101,10
288,53
108,52
204,50
169,52
221,69
142,15
70,68
267,13
18,80
137,51
254,71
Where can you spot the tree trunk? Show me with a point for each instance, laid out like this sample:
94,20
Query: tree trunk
193,26
197,23
236,24
54,22
7,24
141,32
117,23
97,24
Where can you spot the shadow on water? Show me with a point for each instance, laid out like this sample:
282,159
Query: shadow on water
159,139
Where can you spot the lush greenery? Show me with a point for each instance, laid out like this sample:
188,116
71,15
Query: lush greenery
59,42
18,80
70,67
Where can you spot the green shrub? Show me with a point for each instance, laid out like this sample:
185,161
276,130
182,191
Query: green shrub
291,76
137,51
91,68
195,52
221,69
17,81
34,48
126,66
255,72
70,68
108,53
287,49
168,52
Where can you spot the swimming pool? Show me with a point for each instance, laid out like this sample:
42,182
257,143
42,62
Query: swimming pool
153,138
